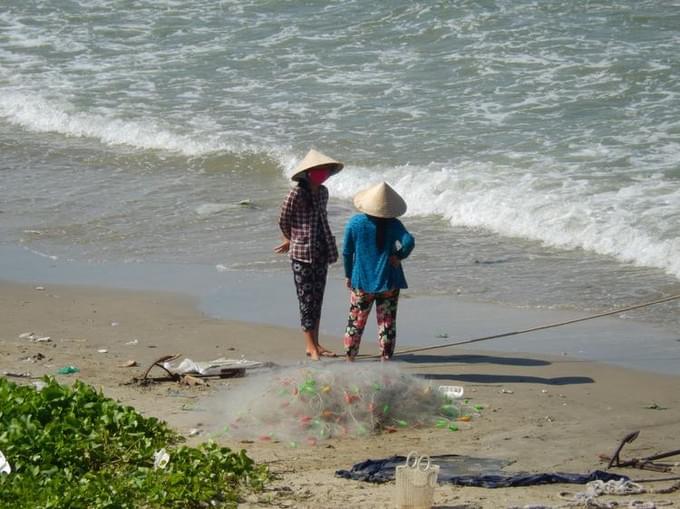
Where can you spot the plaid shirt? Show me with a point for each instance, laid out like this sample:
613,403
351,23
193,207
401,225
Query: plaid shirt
303,220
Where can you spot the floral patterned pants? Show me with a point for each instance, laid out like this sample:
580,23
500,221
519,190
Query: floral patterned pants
359,308
310,284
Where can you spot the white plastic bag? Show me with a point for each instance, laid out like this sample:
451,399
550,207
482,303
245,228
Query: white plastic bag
160,459
5,468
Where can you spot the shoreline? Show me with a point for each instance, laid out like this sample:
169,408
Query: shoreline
267,298
541,413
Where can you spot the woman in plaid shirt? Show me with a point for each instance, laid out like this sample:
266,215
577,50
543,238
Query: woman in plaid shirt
309,242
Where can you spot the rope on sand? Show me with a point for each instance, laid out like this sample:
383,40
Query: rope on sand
594,489
533,329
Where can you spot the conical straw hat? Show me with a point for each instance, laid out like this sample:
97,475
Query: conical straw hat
380,200
312,159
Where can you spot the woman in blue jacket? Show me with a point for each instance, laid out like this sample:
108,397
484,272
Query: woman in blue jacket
375,243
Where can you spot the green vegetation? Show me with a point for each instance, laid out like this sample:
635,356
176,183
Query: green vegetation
73,447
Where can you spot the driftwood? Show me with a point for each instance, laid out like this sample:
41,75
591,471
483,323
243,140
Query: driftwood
646,463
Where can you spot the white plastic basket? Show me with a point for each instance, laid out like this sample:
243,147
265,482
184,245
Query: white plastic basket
416,481
452,391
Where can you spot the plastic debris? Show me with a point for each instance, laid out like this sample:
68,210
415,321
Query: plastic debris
214,367
32,336
452,391
5,467
161,459
14,374
655,406
102,350
68,370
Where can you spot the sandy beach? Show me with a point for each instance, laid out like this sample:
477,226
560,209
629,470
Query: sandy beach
543,414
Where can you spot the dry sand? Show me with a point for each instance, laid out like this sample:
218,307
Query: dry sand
544,414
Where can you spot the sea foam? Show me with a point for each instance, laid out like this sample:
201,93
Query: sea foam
38,114
568,213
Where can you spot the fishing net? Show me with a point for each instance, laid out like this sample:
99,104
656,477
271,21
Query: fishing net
309,404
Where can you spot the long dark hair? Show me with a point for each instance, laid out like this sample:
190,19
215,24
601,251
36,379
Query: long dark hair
304,184
380,230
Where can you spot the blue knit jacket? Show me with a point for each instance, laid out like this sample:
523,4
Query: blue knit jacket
367,266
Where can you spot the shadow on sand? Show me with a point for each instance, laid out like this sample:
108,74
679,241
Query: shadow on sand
482,378
471,359
507,379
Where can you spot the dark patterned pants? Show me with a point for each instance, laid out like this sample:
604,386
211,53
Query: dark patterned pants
386,311
310,283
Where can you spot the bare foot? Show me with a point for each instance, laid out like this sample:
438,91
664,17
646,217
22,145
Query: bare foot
324,352
313,355
349,358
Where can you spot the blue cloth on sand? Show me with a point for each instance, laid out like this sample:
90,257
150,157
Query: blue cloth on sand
367,266
382,470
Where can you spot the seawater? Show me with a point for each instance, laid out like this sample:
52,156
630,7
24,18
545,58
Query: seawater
536,143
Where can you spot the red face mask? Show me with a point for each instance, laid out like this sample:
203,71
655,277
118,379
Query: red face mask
318,176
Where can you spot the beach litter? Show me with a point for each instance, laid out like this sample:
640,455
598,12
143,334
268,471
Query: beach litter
5,467
655,406
161,458
33,358
190,372
68,370
452,391
32,336
15,374
307,405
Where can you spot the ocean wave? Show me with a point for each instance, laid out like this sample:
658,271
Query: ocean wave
38,114
634,221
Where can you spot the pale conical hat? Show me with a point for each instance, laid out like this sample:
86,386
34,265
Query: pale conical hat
312,159
380,200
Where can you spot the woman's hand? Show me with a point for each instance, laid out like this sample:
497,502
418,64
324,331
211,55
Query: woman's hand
283,248
395,261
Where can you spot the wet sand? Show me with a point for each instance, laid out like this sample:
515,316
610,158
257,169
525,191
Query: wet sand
543,413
